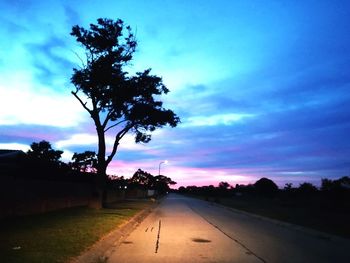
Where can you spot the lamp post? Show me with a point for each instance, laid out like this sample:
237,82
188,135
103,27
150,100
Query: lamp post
165,162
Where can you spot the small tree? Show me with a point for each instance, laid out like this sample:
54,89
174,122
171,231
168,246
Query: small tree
44,162
142,178
116,101
307,189
162,184
84,162
266,187
224,185
288,187
44,152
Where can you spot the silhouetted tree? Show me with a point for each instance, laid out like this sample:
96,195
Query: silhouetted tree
182,190
146,180
328,185
44,152
307,188
266,187
289,191
247,189
224,185
84,162
288,187
336,190
44,162
118,182
142,178
162,184
116,101
208,191
345,182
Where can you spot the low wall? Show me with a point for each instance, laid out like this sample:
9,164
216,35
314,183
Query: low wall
19,196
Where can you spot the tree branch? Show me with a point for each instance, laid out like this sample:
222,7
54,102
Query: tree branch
81,102
108,117
81,60
118,137
115,124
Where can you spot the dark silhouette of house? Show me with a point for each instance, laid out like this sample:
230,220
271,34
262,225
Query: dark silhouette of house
10,160
9,156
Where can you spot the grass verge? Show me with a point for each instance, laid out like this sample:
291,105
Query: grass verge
310,213
60,235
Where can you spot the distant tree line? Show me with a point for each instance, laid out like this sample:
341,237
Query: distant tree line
338,190
145,181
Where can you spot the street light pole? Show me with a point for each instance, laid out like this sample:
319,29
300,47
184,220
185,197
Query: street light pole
166,161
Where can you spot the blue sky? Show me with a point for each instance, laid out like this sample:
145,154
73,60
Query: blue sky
262,87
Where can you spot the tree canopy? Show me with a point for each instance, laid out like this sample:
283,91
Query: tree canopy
117,101
265,186
84,162
43,151
148,181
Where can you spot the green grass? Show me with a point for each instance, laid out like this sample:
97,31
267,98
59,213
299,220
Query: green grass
60,235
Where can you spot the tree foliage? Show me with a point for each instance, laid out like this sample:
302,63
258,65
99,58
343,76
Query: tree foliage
265,186
84,162
117,101
142,178
307,188
224,185
43,151
328,185
146,180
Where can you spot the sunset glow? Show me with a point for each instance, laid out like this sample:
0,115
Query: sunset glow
261,87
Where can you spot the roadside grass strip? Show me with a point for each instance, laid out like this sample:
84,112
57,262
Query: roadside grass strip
307,213
60,235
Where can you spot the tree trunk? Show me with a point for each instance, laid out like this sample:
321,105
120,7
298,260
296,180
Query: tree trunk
100,191
99,195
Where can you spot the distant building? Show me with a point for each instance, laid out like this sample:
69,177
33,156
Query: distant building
11,155
10,160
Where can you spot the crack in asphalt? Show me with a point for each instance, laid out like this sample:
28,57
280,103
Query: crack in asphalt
230,237
158,237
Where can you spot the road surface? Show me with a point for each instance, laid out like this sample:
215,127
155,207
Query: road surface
183,229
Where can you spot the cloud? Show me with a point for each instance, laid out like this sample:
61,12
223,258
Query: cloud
78,139
262,90
14,146
72,16
23,104
28,133
219,119
53,61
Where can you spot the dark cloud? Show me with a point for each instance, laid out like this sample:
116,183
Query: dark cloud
26,134
49,64
308,134
72,16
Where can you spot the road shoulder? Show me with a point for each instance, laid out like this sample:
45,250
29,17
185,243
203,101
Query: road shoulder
100,250
306,230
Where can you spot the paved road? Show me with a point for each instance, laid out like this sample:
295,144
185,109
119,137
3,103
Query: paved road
183,229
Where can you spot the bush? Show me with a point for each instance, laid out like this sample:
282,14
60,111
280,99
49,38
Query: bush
307,189
266,187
